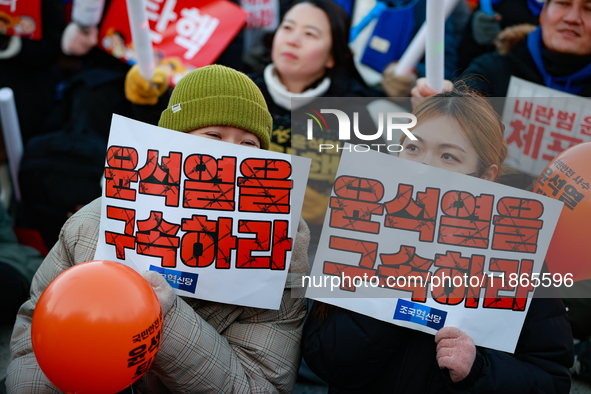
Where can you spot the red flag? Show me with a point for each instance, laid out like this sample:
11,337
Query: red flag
21,18
186,34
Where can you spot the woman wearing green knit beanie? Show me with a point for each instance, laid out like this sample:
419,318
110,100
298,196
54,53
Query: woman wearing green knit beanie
204,343
215,98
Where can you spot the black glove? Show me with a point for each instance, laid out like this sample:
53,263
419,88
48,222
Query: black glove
485,27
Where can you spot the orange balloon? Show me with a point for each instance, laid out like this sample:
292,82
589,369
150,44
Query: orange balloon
96,328
568,178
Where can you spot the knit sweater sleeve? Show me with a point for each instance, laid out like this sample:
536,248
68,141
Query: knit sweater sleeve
259,352
76,244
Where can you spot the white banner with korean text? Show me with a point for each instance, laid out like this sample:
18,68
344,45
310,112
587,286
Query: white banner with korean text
425,248
540,123
217,220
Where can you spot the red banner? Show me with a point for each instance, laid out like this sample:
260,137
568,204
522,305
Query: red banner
21,18
186,34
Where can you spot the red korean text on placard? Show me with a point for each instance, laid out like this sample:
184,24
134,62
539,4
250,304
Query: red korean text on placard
544,114
357,200
418,214
528,132
157,237
517,225
226,242
162,179
466,219
206,241
210,183
265,186
585,127
530,141
410,266
261,243
406,265
199,243
124,240
458,278
523,108
120,173
565,120
368,251
510,269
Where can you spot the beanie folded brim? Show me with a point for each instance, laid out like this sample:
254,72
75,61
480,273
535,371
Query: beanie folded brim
203,112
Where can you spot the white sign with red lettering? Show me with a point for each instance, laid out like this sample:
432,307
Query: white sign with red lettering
217,220
540,123
426,248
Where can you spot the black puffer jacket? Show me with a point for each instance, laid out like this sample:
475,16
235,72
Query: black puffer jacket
359,354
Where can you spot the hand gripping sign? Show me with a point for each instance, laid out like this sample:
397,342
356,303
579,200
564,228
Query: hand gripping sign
424,248
217,220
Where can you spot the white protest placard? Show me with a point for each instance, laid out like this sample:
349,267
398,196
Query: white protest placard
217,220
469,244
540,123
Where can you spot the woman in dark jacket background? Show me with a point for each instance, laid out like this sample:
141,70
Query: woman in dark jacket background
311,59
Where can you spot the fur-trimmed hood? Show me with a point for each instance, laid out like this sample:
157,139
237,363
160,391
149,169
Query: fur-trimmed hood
510,36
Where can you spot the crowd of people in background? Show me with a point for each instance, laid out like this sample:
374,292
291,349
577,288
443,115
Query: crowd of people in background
66,90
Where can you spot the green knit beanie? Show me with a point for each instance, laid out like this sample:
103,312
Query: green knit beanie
218,96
